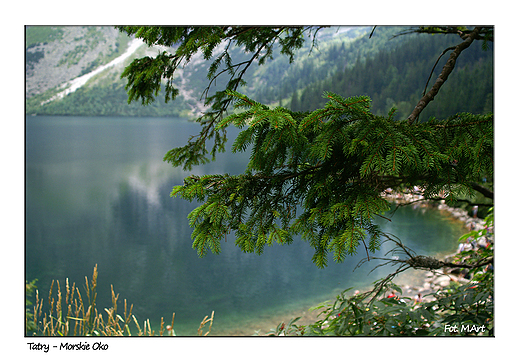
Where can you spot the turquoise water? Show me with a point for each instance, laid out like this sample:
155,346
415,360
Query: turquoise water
97,192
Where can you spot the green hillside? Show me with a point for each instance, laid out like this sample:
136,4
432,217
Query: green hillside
391,70
396,77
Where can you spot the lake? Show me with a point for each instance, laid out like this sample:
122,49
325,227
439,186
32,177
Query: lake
98,192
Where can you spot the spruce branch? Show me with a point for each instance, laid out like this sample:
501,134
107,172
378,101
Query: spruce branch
337,181
446,71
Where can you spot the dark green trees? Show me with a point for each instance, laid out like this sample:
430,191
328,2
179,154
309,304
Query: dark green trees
397,77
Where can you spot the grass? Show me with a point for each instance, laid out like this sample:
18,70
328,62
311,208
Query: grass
70,313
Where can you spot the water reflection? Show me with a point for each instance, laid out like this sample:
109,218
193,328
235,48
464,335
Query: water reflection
98,193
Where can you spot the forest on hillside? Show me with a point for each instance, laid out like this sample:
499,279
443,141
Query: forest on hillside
397,78
392,70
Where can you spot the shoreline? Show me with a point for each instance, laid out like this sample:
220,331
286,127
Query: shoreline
417,198
420,285
435,280
412,282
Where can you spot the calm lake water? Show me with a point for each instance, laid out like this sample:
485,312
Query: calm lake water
97,192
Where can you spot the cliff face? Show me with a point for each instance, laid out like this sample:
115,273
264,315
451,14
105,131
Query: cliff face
70,53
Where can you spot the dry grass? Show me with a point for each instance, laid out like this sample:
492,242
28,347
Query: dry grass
204,322
76,316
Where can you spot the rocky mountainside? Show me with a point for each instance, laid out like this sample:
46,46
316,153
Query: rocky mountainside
76,70
62,60
70,53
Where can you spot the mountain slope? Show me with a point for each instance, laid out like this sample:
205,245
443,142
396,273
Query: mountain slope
396,77
76,71
58,57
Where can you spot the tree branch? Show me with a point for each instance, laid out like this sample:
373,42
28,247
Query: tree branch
485,191
238,65
485,33
446,71
428,263
480,263
433,68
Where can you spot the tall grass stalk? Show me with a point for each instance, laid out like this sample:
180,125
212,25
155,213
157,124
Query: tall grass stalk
82,318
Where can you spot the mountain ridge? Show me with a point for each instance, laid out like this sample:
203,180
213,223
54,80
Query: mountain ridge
56,57
391,70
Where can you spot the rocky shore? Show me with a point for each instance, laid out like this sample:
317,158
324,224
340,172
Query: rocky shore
432,281
419,285
417,198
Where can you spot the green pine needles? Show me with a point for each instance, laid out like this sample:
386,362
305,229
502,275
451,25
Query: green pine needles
321,175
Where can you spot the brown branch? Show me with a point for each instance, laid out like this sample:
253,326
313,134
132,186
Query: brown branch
464,265
450,30
366,249
435,65
431,263
446,71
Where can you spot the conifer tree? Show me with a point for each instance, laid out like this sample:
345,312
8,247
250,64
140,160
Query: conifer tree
319,175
